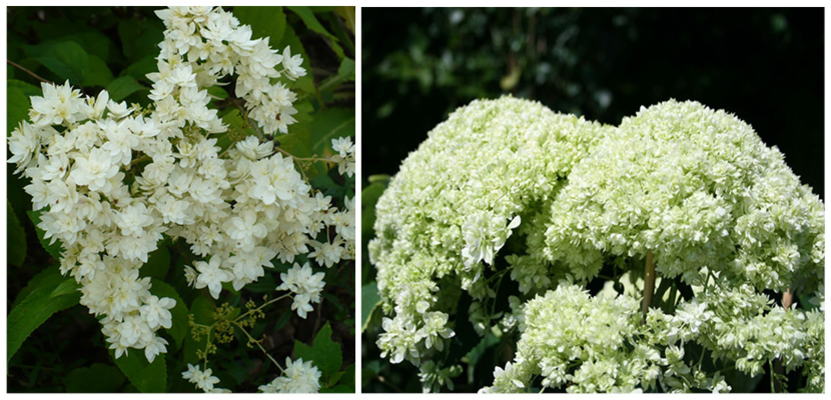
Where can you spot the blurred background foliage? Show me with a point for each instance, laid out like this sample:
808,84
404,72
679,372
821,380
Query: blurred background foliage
764,65
113,48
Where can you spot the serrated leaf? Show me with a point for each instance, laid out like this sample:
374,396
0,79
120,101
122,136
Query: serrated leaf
97,378
67,60
122,87
331,124
146,377
179,312
38,305
54,249
158,263
370,299
16,239
264,21
324,353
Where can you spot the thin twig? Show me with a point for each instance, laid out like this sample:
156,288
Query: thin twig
28,72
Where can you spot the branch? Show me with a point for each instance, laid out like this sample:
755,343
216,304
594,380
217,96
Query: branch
28,72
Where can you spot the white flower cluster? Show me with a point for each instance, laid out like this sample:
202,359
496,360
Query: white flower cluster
698,188
346,155
203,379
694,187
111,180
454,204
204,44
298,377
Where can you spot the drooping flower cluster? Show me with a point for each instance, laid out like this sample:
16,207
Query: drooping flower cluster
111,180
514,191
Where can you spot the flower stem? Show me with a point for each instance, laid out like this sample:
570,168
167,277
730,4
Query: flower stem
648,282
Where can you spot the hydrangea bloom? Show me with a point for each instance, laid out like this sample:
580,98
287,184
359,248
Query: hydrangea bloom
112,180
514,191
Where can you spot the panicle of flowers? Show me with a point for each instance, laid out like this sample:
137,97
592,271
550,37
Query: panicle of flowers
110,179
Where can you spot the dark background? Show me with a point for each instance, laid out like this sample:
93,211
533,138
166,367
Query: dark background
763,65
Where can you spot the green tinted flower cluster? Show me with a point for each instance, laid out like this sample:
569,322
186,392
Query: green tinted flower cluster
508,194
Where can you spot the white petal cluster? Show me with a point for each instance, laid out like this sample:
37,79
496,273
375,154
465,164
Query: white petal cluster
699,189
346,155
298,377
204,45
509,185
112,181
305,285
203,379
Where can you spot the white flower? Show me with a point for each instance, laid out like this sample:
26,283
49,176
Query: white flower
298,377
306,286
202,379
94,170
212,275
156,312
292,64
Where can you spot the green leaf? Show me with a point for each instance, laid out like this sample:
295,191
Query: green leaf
179,312
43,298
218,92
331,124
140,37
370,299
314,25
97,378
146,377
17,108
476,353
67,60
324,353
141,68
265,22
338,389
27,88
348,377
99,73
158,263
203,311
122,87
16,239
54,249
